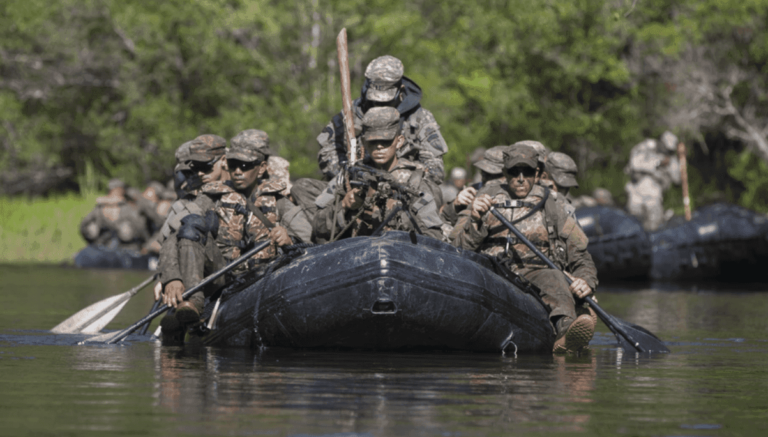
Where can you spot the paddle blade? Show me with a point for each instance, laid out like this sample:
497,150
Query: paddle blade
94,317
647,340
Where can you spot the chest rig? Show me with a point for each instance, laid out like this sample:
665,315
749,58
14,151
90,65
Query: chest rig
264,215
231,210
386,209
539,224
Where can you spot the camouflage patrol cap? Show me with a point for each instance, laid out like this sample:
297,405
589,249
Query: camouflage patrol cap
562,169
493,160
206,147
384,75
250,145
183,156
381,123
518,154
115,183
541,149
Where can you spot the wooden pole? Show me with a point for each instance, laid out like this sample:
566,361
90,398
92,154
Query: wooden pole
684,179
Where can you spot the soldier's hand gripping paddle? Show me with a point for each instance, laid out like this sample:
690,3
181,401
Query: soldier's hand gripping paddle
114,337
631,337
93,318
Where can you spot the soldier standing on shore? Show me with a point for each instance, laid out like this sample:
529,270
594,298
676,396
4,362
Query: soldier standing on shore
653,167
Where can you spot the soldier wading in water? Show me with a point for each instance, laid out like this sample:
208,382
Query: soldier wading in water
535,213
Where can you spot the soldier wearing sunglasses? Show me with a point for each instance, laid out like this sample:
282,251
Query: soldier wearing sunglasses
533,210
206,229
364,210
272,214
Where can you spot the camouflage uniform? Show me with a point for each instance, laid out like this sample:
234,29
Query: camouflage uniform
562,171
491,173
547,226
114,223
653,167
206,228
277,168
267,202
424,143
383,124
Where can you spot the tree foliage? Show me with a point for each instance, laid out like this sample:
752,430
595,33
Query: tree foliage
111,88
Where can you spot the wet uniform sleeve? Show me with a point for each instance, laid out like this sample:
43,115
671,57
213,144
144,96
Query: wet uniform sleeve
168,264
469,234
580,262
426,210
87,220
329,216
431,145
293,218
330,150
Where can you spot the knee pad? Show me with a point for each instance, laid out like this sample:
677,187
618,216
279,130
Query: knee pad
194,228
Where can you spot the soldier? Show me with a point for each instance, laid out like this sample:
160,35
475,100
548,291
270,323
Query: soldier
561,172
547,226
600,196
114,223
653,168
455,184
490,168
207,227
272,212
385,85
403,199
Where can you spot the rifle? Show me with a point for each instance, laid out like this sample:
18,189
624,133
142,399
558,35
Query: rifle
361,175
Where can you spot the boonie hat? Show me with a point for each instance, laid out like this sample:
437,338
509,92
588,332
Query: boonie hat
249,145
384,75
206,147
381,123
562,169
493,160
520,154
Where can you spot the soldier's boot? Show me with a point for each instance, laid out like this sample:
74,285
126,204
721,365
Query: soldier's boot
172,331
187,313
574,336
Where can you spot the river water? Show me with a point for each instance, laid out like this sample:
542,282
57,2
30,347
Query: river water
714,383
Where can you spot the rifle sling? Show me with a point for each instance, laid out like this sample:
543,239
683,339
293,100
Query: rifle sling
259,215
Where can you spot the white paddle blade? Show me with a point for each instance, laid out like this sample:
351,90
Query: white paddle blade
98,314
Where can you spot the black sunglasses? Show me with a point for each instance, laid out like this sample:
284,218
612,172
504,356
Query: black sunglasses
527,172
242,165
200,166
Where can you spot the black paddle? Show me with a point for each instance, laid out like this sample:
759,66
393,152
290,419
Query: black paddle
112,339
631,337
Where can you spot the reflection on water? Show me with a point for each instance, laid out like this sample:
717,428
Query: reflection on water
714,383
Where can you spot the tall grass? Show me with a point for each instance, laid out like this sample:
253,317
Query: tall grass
42,230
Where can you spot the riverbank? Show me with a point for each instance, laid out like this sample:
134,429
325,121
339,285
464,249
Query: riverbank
42,230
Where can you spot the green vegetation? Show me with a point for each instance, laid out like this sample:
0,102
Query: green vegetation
42,230
95,89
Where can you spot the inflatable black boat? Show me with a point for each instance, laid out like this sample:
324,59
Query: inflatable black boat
722,242
101,257
396,291
618,244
